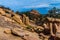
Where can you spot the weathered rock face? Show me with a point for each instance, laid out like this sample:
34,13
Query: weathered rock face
25,34
7,22
53,19
2,12
21,27
34,12
9,29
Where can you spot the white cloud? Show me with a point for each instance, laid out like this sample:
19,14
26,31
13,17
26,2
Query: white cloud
37,6
55,1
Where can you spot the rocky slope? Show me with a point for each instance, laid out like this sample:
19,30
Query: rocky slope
21,27
10,30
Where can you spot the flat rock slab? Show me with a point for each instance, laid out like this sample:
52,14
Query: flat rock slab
25,34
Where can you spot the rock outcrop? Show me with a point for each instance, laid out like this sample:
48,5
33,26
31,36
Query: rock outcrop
23,27
12,27
53,19
25,34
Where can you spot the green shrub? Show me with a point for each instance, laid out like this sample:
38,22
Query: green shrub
28,27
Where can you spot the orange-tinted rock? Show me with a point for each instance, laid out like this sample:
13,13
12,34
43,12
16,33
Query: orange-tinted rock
7,31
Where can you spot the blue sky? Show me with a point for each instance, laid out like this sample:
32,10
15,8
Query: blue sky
23,5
